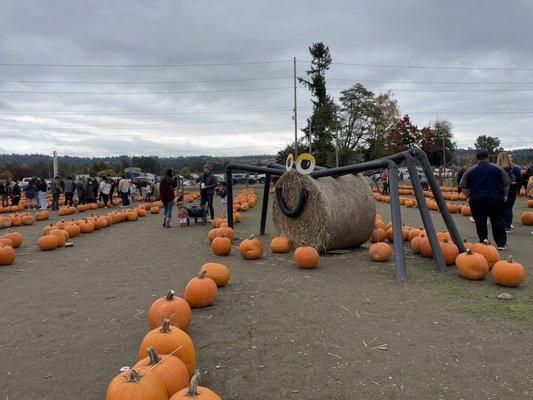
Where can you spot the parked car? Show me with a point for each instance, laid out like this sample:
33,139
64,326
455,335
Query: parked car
24,182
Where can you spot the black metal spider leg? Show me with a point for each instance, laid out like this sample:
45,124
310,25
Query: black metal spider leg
399,259
424,212
229,196
443,208
264,207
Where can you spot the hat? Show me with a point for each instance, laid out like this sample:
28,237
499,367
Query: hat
482,154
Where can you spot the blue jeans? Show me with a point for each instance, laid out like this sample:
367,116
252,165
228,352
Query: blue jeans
167,212
509,208
125,199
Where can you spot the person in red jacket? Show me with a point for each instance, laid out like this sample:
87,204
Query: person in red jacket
166,191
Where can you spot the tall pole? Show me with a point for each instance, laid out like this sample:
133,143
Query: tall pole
443,152
336,141
311,136
295,112
54,165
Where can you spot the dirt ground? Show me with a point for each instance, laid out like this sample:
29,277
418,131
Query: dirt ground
347,330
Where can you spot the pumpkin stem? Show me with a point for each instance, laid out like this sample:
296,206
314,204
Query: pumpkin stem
193,385
134,376
468,251
170,295
154,358
201,274
511,259
486,241
166,326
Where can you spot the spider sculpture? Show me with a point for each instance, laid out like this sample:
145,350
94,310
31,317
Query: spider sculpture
410,158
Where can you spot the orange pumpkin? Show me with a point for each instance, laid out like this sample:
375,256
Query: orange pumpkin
201,291
130,384
527,218
472,265
281,245
171,307
221,246
6,242
168,368
16,238
7,255
508,273
449,251
154,210
61,236
169,339
251,249
196,392
73,230
465,210
486,250
225,231
212,234
48,242
444,235
380,251
378,235
306,257
218,272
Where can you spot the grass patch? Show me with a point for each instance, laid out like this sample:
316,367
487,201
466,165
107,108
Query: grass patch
513,309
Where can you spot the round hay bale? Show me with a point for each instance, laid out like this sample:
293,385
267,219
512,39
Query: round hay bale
338,213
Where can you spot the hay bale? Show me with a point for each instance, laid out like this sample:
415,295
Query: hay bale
339,212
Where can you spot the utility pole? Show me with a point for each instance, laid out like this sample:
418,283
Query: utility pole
336,141
311,136
54,164
295,112
443,151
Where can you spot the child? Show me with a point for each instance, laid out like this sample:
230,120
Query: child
223,193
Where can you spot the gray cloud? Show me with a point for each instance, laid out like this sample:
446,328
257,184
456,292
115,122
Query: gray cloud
451,33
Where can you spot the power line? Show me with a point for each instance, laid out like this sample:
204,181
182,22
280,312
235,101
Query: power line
144,65
432,82
147,82
441,67
211,111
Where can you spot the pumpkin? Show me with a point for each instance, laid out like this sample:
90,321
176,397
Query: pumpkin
217,222
221,246
414,232
61,236
508,273
133,385
218,272
251,249
389,234
42,215
530,203
48,242
28,220
169,339
449,251
472,265
379,223
201,291
417,242
195,392
486,250
225,231
6,242
380,251
425,247
86,227
169,369
406,230
171,307
306,257
444,235
7,255
378,235
212,234
73,230
154,210
281,245
465,210
527,218
236,217
15,237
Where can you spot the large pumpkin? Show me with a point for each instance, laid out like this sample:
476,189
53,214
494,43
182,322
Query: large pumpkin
380,251
449,252
171,307
280,245
486,250
169,369
7,255
133,385
251,249
196,392
48,242
306,257
61,236
221,246
172,340
527,218
218,272
15,237
201,291
508,273
472,265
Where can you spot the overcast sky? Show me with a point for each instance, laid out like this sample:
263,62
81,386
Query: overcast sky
138,106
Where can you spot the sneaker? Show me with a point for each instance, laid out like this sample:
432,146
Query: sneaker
508,231
512,227
472,219
502,247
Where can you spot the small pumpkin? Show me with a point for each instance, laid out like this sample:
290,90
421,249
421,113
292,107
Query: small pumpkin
154,210
527,218
61,236
7,255
212,234
196,392
378,235
508,273
380,251
281,245
251,249
221,246
169,339
15,237
306,257
486,250
226,231
471,265
133,385
171,307
168,368
201,291
218,272
48,242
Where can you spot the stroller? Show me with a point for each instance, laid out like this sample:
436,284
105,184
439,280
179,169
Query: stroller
195,211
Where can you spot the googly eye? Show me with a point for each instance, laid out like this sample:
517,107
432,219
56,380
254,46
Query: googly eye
290,162
305,163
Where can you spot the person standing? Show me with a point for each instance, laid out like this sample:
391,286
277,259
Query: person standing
459,177
486,186
15,194
166,190
68,188
31,194
124,190
55,189
41,194
505,161
3,193
105,190
385,181
90,187
208,182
